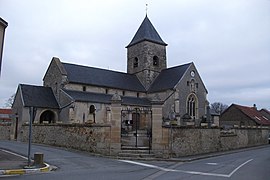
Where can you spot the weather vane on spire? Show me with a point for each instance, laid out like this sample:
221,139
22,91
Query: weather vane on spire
146,8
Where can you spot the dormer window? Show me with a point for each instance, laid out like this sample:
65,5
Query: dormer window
135,63
155,61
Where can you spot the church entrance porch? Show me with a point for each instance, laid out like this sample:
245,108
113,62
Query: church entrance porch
47,117
136,128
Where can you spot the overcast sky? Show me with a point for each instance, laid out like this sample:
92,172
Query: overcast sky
228,40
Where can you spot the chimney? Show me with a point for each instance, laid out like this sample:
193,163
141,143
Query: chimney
254,106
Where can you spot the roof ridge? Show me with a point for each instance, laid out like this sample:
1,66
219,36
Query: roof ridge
85,66
178,66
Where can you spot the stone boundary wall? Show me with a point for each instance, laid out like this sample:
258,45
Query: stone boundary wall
185,142
91,138
174,142
5,132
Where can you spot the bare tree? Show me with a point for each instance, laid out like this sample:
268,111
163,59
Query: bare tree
10,100
219,107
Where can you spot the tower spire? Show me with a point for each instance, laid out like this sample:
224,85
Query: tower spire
146,32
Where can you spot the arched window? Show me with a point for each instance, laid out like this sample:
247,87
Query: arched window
192,104
155,61
56,88
92,112
136,62
192,85
92,109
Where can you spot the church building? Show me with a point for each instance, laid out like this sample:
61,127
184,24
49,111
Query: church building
73,93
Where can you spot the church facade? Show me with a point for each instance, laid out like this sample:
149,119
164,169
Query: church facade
73,93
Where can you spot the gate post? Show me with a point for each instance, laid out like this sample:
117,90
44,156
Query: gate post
116,124
159,141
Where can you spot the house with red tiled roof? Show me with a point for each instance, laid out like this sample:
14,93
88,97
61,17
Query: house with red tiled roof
5,116
238,115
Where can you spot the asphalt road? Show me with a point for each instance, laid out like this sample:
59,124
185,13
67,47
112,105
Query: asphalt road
246,165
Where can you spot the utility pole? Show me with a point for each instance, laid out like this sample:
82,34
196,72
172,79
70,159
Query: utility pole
3,25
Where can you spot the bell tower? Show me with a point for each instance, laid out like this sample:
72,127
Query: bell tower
146,54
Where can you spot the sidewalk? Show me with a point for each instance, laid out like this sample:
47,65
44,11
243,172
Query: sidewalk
12,163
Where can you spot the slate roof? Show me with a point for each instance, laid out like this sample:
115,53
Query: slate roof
38,96
135,101
253,114
168,78
3,22
147,32
105,98
102,78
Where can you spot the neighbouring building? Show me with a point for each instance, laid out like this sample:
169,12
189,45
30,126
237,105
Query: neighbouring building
3,25
5,116
138,102
244,116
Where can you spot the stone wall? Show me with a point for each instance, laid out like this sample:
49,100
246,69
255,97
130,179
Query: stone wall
91,138
168,142
185,142
5,132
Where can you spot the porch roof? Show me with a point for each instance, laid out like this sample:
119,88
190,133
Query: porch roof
38,96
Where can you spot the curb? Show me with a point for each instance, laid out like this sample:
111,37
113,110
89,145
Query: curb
47,168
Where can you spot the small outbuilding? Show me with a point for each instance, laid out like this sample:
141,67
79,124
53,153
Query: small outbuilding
243,116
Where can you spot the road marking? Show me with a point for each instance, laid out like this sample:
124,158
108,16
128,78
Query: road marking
160,172
149,165
188,172
239,167
214,164
13,153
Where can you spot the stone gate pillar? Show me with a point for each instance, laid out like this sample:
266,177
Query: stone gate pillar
159,137
115,124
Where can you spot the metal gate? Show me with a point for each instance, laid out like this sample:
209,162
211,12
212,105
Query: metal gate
136,128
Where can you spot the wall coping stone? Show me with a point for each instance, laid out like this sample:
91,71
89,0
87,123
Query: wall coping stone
70,125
